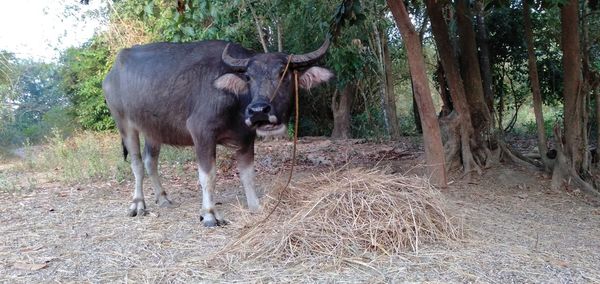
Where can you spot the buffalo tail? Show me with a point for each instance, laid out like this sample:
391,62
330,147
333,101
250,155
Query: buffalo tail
125,152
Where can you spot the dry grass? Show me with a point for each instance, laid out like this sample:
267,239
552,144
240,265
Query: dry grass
348,214
124,32
517,229
81,158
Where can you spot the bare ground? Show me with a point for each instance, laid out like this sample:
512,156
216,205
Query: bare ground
515,229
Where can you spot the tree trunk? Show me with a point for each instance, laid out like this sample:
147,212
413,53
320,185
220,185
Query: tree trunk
389,90
465,138
500,110
447,106
261,36
415,109
573,98
341,105
597,98
484,56
378,47
434,152
279,37
572,165
586,85
535,85
480,114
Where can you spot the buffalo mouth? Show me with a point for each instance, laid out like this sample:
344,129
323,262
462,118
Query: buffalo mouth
271,129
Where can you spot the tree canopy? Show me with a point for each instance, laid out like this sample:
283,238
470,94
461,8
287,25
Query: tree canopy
478,58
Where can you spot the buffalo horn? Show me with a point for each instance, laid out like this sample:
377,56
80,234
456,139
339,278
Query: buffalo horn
311,57
236,63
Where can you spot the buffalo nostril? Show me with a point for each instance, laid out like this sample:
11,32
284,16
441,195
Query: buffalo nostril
259,108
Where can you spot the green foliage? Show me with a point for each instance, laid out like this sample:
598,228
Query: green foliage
8,74
510,63
349,64
363,124
36,104
526,125
83,70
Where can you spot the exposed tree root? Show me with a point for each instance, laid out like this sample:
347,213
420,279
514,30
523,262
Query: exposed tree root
460,149
564,172
458,145
517,157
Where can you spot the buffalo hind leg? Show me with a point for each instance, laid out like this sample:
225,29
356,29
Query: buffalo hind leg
131,139
151,152
245,161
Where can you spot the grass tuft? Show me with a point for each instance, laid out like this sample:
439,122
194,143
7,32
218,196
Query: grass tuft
80,158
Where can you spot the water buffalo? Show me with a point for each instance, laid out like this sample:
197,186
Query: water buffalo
202,94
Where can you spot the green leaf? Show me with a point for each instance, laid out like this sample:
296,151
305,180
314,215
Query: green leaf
149,9
187,30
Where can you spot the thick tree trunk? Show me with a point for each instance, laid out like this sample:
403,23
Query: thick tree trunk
484,56
535,85
465,138
571,147
341,105
480,114
434,152
573,98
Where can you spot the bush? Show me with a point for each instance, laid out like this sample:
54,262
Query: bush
368,124
83,157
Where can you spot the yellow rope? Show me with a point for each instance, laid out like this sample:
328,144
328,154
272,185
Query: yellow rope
287,65
293,148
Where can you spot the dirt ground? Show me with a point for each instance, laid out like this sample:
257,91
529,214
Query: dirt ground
515,228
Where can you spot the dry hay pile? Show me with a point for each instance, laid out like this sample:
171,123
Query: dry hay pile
347,214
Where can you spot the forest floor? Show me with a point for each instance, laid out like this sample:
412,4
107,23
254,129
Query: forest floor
515,229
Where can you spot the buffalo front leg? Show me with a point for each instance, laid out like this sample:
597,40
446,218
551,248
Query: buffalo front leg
207,180
151,152
245,159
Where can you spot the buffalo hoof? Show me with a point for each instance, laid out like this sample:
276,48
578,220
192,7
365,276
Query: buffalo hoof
166,203
140,212
211,219
137,208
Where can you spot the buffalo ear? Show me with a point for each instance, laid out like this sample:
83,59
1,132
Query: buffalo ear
314,76
231,83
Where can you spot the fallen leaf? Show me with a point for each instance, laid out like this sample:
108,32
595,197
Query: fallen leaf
30,249
30,266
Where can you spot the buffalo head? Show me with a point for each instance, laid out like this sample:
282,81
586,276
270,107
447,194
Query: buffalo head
264,77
